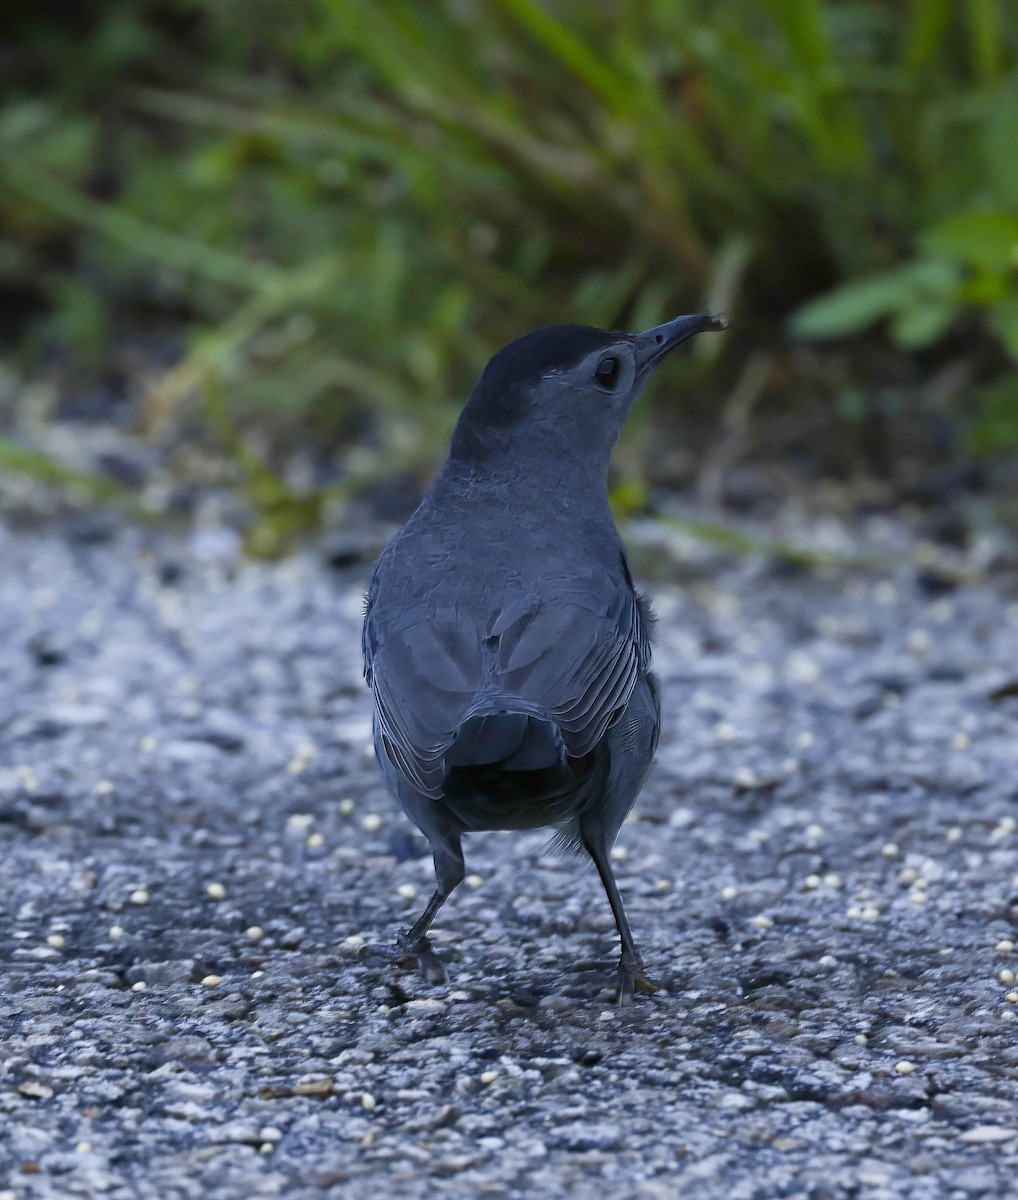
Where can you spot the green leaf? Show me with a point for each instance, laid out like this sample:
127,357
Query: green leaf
856,305
1003,320
999,145
920,325
985,238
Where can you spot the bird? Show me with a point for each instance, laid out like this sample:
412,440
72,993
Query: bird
505,645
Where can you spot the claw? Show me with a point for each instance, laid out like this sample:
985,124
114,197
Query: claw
632,978
419,951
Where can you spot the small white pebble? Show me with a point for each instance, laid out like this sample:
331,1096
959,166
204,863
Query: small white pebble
266,1147
811,883
804,740
725,731
80,1148
918,896
103,788
212,981
269,1133
607,1014
1007,975
474,881
662,885
890,850
254,932
139,896
983,1134
489,1076
729,892
832,880
908,875
953,834
140,986
618,853
961,740
370,822
216,891
904,1067
407,891
870,912
745,777
299,822
56,940
1007,1015
147,744
316,841
354,941
346,807
789,765
919,641
1004,946
257,974
1012,997
802,668
814,832
861,1039
297,764
762,921
1005,827
942,611
116,932
368,1102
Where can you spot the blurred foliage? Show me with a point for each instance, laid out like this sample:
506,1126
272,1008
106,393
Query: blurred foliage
336,210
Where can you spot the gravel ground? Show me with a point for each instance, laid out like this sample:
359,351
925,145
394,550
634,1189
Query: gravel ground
196,854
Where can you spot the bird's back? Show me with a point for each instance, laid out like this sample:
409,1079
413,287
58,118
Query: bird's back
500,643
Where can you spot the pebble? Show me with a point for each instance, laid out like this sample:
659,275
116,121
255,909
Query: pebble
981,1135
216,891
211,981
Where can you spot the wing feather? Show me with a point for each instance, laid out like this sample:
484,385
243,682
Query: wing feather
563,656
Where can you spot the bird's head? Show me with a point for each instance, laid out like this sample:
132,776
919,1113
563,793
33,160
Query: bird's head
565,390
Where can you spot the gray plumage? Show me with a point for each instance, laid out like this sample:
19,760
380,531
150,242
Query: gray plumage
506,647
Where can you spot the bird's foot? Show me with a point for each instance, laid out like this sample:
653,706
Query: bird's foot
632,978
419,952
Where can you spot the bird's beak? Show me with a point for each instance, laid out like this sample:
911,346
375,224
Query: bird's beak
653,345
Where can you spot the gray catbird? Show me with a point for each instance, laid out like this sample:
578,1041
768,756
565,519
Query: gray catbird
506,647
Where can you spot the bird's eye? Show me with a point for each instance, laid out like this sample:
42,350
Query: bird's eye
607,371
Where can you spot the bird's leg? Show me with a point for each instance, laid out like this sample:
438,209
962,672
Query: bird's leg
413,942
632,975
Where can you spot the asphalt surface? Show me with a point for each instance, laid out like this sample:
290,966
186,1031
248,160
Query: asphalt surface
196,857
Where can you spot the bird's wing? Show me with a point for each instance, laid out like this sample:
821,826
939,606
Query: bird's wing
425,676
568,654
575,658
